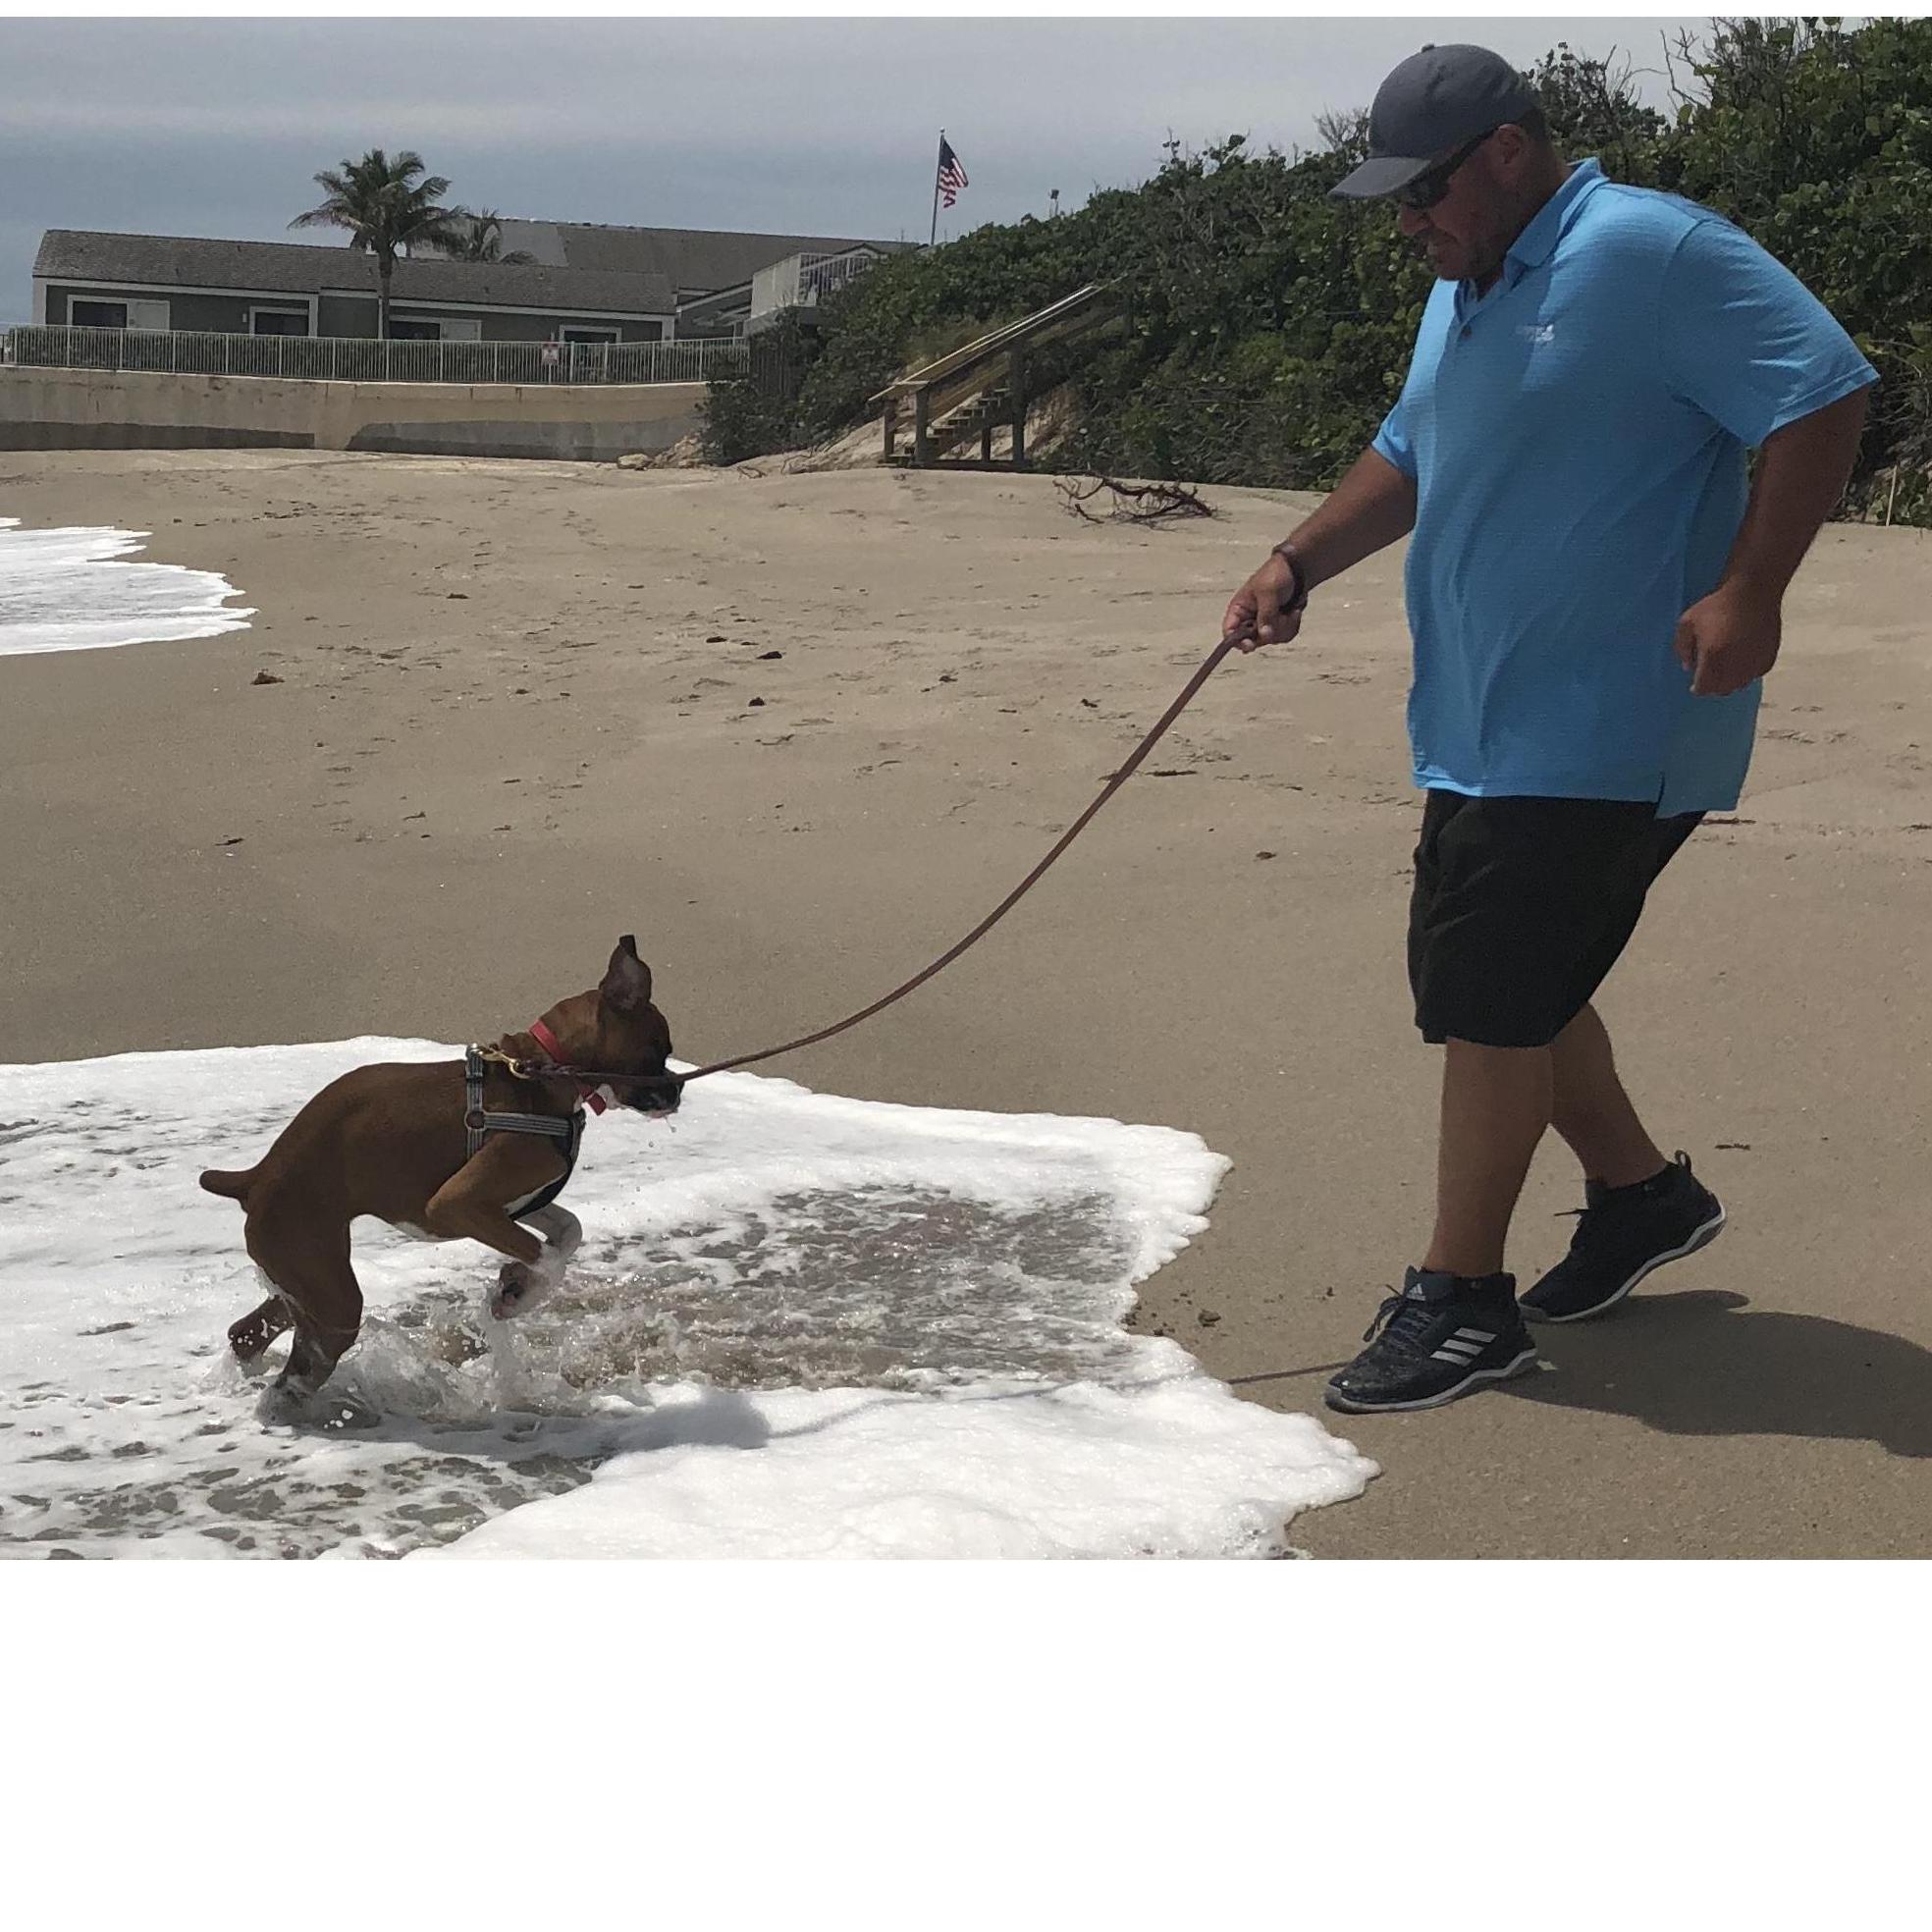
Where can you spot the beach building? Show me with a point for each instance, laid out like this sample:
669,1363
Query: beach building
586,282
724,282
184,284
601,346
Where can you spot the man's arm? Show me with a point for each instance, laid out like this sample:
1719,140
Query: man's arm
1372,507
1732,636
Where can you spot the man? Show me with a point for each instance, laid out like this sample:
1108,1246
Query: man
1594,594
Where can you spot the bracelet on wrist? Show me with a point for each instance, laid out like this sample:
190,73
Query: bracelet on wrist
1300,597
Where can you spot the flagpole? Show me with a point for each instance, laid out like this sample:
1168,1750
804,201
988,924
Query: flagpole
934,235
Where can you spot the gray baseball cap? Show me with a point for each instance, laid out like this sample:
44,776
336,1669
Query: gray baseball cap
1435,102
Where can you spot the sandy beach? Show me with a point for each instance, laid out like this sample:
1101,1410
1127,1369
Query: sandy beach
799,732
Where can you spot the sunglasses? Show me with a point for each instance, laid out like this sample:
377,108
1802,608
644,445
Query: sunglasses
1425,191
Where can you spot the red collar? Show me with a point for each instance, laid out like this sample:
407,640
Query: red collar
542,1035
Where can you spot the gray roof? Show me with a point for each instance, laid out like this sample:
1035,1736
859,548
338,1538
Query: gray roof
725,303
693,260
293,268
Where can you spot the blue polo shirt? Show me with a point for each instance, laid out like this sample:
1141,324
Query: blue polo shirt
1578,439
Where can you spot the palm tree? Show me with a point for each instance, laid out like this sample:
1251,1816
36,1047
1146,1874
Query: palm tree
479,239
386,209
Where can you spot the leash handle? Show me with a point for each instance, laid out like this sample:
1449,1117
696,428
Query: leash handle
999,912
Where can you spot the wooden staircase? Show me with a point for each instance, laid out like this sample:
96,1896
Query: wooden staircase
979,417
982,386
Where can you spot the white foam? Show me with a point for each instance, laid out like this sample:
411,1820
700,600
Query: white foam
799,1326
64,590
1178,1467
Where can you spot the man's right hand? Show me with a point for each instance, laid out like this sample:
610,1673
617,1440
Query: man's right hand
1258,615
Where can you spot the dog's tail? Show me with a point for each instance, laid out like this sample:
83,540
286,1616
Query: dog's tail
231,1186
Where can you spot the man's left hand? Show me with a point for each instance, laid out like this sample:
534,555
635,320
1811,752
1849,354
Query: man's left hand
1729,638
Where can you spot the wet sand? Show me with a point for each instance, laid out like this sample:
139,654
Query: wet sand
516,719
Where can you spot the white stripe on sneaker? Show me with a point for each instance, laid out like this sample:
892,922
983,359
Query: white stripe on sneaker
1525,1359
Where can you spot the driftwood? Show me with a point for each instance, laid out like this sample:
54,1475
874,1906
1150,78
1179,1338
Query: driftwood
1130,503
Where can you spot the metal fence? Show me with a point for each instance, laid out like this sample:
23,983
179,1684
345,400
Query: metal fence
803,281
355,359
824,274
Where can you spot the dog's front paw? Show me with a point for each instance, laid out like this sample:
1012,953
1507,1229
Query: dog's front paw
521,1285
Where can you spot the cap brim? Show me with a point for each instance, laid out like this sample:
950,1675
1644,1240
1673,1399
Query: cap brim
1382,174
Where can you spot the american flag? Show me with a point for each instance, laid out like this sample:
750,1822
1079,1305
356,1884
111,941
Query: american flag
952,177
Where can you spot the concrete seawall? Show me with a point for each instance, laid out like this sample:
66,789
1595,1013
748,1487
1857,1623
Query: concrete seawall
123,409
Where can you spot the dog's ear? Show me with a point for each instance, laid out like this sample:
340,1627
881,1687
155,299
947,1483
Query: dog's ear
626,985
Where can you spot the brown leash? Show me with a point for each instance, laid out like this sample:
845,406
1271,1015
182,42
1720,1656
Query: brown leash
1006,904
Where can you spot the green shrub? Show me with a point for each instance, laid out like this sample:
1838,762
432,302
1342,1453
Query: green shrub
1269,327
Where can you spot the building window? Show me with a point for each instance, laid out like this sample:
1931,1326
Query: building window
590,334
446,328
278,321
88,313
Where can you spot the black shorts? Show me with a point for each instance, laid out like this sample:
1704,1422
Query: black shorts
1521,905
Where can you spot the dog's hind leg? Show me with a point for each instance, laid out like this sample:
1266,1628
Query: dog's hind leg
312,1362
326,1302
249,1336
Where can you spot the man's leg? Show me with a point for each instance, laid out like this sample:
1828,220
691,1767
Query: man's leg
1496,1102
1513,902
1456,1324
1592,1110
1640,1211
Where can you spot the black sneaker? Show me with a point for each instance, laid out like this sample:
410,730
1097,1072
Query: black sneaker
1622,1234
1442,1335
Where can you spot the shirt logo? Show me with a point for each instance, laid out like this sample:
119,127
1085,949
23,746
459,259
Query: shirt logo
1538,332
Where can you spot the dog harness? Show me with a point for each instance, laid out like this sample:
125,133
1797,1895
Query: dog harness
482,1122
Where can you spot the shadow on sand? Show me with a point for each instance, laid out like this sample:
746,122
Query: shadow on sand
1709,1363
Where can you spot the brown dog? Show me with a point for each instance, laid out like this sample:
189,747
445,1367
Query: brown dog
448,1150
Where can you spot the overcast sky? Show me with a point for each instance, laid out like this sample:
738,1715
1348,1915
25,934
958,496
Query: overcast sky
216,127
